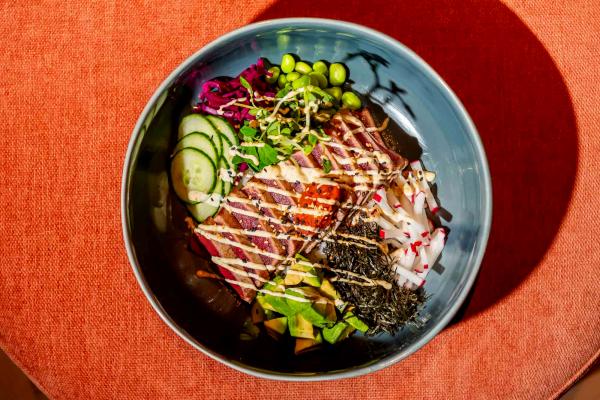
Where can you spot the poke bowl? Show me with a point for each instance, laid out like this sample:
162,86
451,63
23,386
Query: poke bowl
305,199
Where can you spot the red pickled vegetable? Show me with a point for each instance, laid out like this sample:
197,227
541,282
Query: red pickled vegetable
216,93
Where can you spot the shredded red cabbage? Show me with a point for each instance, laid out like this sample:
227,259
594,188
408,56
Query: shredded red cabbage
220,91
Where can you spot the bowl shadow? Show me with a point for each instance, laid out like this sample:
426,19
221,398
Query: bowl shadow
519,102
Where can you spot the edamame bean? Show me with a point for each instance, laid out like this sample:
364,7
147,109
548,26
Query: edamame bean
318,79
335,91
350,100
301,82
274,74
292,76
337,74
281,81
303,67
287,63
320,67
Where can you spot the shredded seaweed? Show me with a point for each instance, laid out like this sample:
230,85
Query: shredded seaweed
384,310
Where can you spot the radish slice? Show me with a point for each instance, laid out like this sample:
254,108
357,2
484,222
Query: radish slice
423,263
424,185
410,276
436,245
405,225
420,216
390,231
394,202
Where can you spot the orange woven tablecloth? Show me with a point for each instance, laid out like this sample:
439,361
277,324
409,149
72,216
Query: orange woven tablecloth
75,76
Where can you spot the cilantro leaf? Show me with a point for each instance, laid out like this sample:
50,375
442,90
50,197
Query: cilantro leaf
267,156
248,133
285,90
273,126
245,83
326,165
250,151
308,149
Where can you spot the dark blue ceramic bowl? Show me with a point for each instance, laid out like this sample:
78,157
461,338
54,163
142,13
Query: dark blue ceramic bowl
428,120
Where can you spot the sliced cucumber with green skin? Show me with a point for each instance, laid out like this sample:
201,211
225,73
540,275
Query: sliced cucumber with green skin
226,147
210,207
220,186
226,184
194,175
205,209
225,127
200,141
200,123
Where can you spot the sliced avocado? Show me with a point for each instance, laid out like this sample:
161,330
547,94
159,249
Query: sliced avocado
347,332
276,327
294,300
326,309
300,327
257,313
273,302
314,317
292,279
263,303
280,305
355,322
328,290
308,292
313,280
303,344
333,334
318,336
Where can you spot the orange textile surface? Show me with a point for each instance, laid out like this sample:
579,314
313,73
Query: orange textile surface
75,77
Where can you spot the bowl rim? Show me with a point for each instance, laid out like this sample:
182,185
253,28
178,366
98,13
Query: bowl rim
462,113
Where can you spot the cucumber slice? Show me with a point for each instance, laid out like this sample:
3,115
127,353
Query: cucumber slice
225,183
220,186
205,209
199,123
225,127
226,146
193,174
200,141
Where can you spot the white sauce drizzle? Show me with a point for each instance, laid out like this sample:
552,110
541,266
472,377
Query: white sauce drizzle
280,207
348,243
251,249
277,221
283,192
226,175
210,199
270,292
356,237
292,173
248,232
235,152
252,144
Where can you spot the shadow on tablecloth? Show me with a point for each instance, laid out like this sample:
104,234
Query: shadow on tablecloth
517,98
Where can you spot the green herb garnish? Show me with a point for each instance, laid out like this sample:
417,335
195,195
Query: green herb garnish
290,122
326,165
